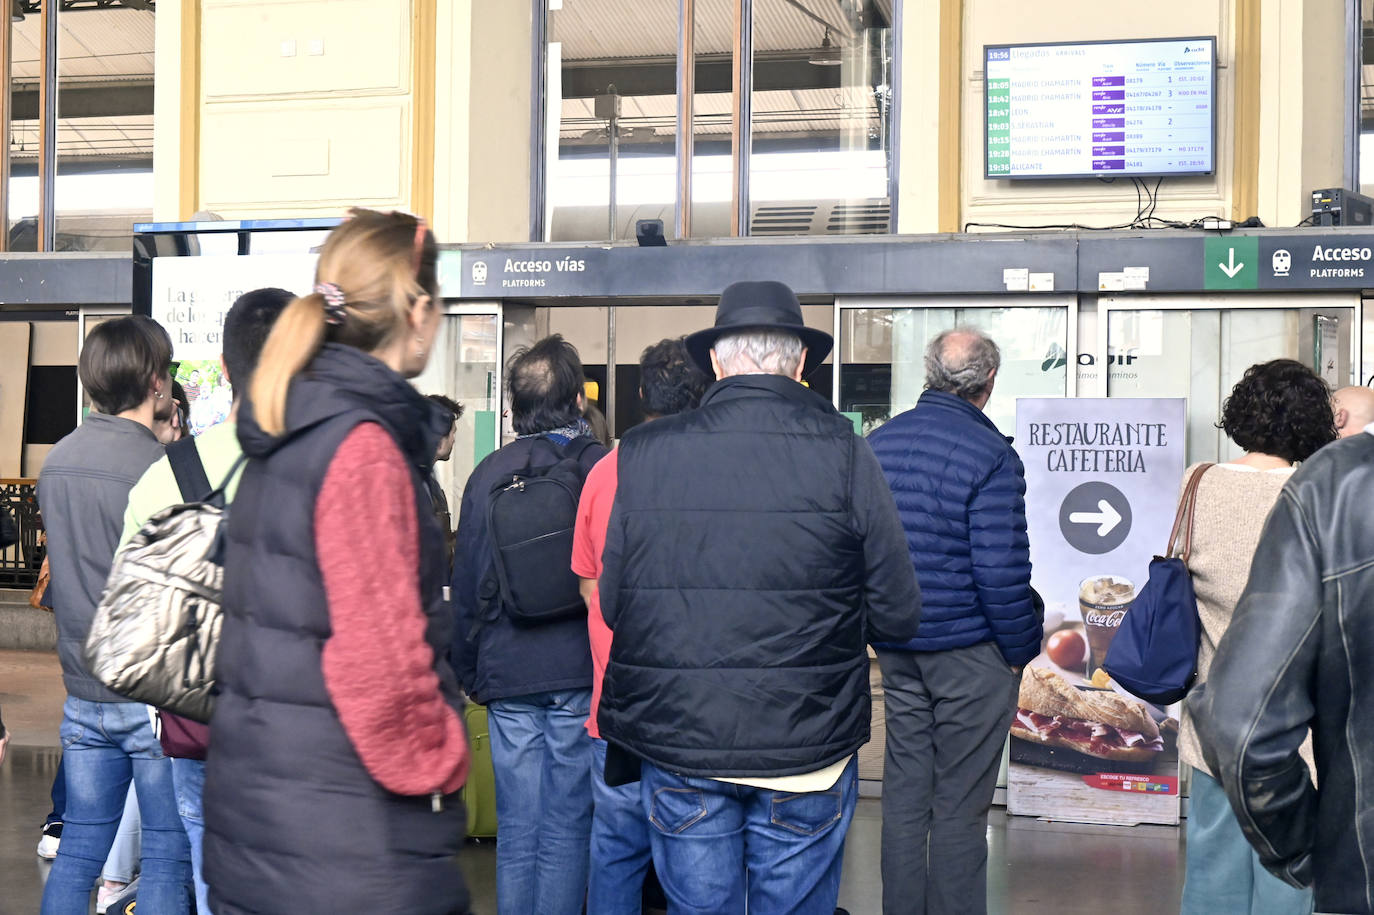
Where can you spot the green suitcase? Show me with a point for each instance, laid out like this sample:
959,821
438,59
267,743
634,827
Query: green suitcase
479,794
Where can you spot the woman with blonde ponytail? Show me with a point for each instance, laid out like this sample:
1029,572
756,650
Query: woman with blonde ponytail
338,741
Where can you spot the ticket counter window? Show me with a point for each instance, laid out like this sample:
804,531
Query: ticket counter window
883,357
1200,355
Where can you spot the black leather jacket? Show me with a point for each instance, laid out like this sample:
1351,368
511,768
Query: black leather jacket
1299,654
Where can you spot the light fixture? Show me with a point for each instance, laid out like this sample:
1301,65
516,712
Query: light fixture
827,55
649,233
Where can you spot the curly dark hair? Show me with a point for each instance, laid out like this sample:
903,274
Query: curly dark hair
1281,408
669,381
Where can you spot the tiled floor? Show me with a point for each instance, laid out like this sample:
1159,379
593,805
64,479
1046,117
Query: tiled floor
1033,866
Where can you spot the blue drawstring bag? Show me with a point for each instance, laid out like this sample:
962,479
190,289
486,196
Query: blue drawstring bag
1154,654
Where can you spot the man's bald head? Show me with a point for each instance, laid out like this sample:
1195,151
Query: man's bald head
1354,409
963,362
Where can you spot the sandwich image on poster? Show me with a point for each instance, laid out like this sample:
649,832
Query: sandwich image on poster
1089,731
1090,754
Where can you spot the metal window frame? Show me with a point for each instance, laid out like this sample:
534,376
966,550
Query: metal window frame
894,120
47,130
1354,54
539,116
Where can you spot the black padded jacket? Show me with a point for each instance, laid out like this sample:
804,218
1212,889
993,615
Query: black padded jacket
1299,655
293,821
753,548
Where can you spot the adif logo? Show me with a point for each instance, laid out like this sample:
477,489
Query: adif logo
479,273
1283,262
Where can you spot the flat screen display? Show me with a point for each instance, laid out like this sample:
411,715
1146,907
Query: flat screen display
1100,109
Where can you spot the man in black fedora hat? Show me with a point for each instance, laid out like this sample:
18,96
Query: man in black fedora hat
753,550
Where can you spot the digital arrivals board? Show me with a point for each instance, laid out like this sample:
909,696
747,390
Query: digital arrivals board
1100,109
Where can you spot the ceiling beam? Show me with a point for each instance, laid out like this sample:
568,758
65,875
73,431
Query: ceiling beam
659,76
84,100
33,7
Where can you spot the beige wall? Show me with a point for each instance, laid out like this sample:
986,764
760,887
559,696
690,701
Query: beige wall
498,123
1301,102
917,185
313,133
302,111
14,391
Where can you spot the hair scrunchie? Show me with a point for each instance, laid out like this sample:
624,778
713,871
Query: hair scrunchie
334,312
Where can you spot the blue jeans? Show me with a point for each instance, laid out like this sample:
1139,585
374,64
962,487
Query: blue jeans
188,775
59,795
122,864
1223,873
620,844
718,846
541,754
105,746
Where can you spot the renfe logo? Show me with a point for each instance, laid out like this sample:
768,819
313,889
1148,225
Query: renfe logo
1283,262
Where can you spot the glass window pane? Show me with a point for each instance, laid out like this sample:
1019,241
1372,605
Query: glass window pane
882,371
822,84
611,60
105,124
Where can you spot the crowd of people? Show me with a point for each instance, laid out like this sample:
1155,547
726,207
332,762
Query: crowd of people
671,638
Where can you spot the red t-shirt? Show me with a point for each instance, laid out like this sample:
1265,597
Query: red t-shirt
589,539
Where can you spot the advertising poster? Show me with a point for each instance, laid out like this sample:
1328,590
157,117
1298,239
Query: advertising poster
1102,479
190,298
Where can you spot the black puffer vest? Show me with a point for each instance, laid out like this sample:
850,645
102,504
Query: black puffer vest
293,821
733,579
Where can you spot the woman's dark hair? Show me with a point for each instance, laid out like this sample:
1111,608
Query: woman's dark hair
669,380
545,382
120,359
1281,408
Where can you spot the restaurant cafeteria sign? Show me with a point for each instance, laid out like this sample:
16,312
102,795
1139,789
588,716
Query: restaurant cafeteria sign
1102,479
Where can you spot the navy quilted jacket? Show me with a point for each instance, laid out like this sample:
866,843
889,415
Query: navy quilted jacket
961,492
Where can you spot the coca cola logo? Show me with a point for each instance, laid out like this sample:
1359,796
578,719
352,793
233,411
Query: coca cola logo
1107,620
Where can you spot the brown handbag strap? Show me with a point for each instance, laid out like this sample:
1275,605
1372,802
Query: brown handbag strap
1187,506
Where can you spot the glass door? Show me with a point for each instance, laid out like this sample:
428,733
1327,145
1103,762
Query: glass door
882,346
1199,349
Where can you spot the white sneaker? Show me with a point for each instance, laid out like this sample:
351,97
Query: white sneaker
108,893
52,837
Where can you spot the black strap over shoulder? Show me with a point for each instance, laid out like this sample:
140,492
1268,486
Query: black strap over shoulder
189,470
578,447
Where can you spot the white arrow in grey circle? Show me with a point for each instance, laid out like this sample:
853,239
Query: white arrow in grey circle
1106,518
1231,268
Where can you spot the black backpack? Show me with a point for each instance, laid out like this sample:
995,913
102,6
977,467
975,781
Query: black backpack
530,519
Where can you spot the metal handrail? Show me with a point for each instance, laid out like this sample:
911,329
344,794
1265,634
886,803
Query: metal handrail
19,564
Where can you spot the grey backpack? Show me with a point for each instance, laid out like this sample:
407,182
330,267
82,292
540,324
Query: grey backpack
155,632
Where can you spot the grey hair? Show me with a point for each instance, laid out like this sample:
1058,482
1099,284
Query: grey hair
964,368
754,352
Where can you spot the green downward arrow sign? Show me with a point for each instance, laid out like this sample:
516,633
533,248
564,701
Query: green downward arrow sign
1231,263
